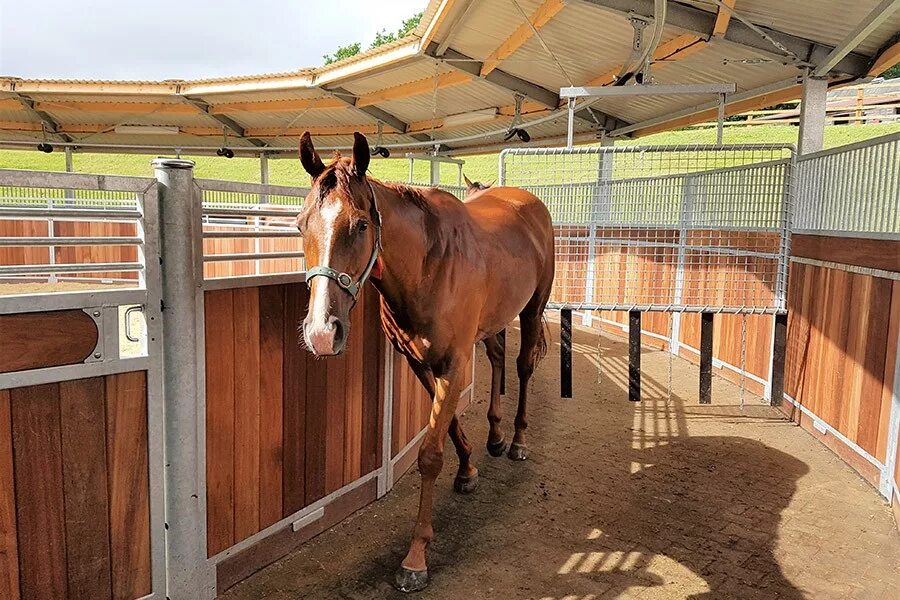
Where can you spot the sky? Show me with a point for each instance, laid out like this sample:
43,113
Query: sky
183,39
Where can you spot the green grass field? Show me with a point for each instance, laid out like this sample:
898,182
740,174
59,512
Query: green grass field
482,167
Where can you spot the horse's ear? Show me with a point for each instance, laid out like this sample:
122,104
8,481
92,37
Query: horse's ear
309,158
361,155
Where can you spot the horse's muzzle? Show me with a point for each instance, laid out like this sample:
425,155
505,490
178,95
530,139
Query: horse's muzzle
327,338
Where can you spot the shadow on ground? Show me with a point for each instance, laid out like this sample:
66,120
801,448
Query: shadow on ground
662,499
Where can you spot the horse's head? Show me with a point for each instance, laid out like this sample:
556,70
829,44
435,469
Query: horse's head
475,186
340,226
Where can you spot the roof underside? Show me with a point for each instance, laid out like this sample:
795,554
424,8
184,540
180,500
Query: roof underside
473,55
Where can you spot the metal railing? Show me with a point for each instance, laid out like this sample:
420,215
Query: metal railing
852,189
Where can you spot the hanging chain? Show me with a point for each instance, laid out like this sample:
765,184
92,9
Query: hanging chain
743,355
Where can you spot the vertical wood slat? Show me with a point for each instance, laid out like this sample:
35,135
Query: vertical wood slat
83,420
317,380
887,392
219,420
9,556
129,484
271,407
39,491
295,392
246,412
373,360
336,400
874,366
353,409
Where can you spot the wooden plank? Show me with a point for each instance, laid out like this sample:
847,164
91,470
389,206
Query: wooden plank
353,409
219,420
9,553
706,346
246,412
83,423
723,19
874,365
275,106
875,254
294,428
316,406
47,339
336,394
414,88
129,484
271,406
373,368
39,491
890,358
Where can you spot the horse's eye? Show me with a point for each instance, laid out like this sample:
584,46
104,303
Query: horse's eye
362,226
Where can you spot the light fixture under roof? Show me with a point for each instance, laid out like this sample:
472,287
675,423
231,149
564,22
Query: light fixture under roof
470,118
147,130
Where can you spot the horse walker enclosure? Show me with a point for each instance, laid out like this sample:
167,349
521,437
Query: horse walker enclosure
161,428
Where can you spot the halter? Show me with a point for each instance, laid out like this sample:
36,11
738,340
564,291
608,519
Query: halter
344,281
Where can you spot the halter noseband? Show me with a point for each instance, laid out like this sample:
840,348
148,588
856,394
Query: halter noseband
344,281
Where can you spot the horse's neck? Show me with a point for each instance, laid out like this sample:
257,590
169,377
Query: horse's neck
405,246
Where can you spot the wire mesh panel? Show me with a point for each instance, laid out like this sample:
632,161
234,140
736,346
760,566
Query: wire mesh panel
678,228
249,229
851,189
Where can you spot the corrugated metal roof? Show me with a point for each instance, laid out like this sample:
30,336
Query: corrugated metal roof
586,40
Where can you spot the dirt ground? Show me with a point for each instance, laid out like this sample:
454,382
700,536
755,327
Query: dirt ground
662,499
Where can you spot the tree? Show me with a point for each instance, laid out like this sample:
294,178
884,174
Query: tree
381,38
892,73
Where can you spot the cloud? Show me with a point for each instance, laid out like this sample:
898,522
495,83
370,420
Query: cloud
183,39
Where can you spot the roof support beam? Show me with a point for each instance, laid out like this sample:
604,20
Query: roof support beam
376,113
226,122
723,19
518,85
540,17
702,23
865,27
454,26
270,106
413,88
50,124
886,58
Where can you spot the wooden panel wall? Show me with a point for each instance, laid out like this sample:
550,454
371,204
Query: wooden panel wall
842,340
284,429
74,490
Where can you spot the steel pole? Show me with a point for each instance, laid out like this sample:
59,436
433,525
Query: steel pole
181,260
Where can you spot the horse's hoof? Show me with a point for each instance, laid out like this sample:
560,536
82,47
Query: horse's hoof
517,451
496,449
465,485
411,581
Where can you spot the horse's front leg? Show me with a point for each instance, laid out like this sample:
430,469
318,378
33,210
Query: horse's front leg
413,573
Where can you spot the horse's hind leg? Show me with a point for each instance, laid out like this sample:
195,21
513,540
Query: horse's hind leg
467,477
496,445
531,350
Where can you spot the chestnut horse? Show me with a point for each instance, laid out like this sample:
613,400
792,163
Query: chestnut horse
450,274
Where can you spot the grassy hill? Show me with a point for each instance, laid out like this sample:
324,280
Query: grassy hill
481,167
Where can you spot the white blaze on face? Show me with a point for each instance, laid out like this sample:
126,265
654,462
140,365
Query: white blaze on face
320,303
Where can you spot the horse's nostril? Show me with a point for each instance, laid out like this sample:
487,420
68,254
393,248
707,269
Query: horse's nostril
338,333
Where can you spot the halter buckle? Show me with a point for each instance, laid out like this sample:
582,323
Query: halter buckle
344,280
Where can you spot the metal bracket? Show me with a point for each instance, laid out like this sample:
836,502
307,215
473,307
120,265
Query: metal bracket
96,314
639,23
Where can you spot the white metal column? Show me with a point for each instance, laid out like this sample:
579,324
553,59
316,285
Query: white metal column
812,115
600,212
189,575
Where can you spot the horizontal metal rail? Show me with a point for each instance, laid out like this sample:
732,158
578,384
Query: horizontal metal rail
69,268
671,308
287,233
70,241
262,189
74,181
249,212
253,256
76,214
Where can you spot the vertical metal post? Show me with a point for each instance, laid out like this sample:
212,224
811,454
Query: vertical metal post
812,114
386,477
634,356
600,212
70,168
706,357
565,353
412,170
886,485
688,189
779,350
570,139
435,173
263,199
181,257
720,121
502,336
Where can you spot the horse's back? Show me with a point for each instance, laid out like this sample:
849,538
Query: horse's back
511,212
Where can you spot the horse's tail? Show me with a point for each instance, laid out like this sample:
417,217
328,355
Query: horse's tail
541,350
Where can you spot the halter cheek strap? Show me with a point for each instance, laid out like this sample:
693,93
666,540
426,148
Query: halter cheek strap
344,280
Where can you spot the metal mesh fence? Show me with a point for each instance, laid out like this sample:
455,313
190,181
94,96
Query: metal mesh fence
851,189
679,228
